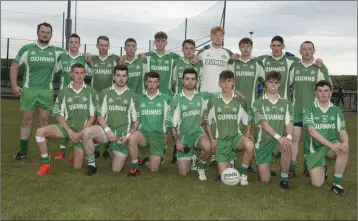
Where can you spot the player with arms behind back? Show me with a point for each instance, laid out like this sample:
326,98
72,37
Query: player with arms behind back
227,112
75,109
273,120
326,137
304,75
186,111
153,125
118,109
39,60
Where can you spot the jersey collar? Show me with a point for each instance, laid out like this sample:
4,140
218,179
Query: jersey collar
316,104
42,48
103,59
68,53
152,98
185,61
306,65
130,62
189,98
113,88
71,86
283,54
227,102
162,54
273,102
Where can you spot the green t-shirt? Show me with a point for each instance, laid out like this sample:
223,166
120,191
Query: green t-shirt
119,110
277,114
304,79
163,65
185,113
154,112
328,123
65,62
40,65
76,106
179,66
227,115
136,73
102,77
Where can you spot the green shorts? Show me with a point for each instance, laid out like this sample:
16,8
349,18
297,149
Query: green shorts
155,142
116,147
317,158
33,98
226,147
66,138
190,141
264,154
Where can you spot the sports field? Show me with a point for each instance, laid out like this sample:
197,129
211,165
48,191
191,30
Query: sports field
66,194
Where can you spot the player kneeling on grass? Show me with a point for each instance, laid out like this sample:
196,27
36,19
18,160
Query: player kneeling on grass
118,109
185,112
152,127
227,112
273,119
326,137
74,109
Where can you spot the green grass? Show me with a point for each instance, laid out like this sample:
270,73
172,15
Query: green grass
68,194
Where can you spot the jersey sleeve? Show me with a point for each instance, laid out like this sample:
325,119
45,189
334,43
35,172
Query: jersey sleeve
292,76
59,106
135,108
174,55
116,58
259,113
289,114
323,74
21,55
103,107
201,54
341,125
88,68
94,103
243,115
260,58
58,52
166,119
209,116
307,117
175,73
174,113
58,65
200,74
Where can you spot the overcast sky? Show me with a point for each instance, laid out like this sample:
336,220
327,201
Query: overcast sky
332,26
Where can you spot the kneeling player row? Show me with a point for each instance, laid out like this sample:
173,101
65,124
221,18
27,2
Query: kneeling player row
127,121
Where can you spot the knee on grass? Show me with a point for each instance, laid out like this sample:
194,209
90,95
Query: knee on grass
317,184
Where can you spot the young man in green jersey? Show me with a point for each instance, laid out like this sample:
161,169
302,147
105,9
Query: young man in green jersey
273,130
326,137
180,64
186,112
227,112
118,111
102,77
75,109
137,67
65,62
153,126
303,76
39,60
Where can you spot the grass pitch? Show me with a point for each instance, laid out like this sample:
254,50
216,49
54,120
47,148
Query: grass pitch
68,194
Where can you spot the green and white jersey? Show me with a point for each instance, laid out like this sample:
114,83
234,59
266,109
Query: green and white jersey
40,65
65,62
283,65
247,76
227,115
136,72
76,106
185,113
163,65
103,68
119,109
154,112
277,114
179,66
214,62
327,122
304,77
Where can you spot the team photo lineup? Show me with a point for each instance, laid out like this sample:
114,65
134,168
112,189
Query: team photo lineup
213,106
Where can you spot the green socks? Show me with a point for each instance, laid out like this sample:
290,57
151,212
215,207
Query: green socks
62,148
284,176
24,146
337,179
293,166
96,147
201,164
45,158
135,164
91,160
243,169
